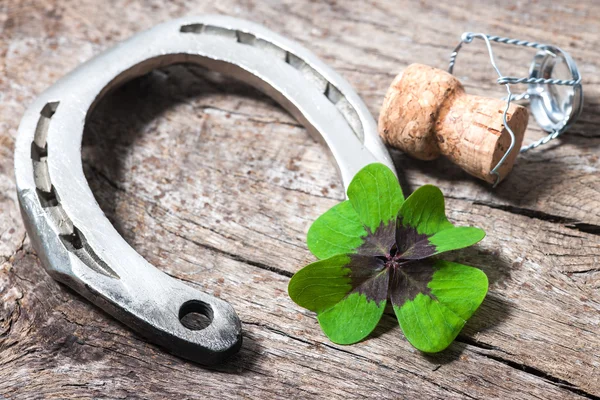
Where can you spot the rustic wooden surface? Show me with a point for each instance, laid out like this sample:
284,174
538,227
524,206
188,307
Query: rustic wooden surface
214,184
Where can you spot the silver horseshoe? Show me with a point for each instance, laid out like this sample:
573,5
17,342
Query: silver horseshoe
77,244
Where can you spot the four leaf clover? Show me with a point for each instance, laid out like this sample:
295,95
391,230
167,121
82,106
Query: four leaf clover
377,247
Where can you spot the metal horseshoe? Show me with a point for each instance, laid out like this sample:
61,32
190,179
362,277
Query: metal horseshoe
75,241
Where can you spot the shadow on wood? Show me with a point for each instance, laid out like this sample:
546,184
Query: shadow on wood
126,115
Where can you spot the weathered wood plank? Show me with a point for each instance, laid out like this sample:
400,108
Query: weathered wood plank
230,184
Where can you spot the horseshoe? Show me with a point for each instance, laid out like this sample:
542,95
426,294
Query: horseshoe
75,241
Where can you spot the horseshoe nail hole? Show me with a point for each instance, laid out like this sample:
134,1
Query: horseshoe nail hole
195,315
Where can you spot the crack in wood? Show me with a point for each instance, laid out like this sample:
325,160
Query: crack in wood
233,256
567,222
541,374
525,368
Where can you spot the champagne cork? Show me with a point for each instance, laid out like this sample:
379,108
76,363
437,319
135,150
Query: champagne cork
426,113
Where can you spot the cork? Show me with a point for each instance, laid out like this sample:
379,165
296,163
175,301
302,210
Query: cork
426,113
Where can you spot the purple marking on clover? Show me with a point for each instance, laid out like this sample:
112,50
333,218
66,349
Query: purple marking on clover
399,259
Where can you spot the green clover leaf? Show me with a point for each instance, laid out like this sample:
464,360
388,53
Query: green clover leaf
377,246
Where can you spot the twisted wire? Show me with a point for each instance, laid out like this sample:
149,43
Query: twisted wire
517,42
517,97
510,80
453,57
544,140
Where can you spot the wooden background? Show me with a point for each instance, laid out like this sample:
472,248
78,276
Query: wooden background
215,185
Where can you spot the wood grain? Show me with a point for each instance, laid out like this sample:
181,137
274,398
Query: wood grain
214,184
